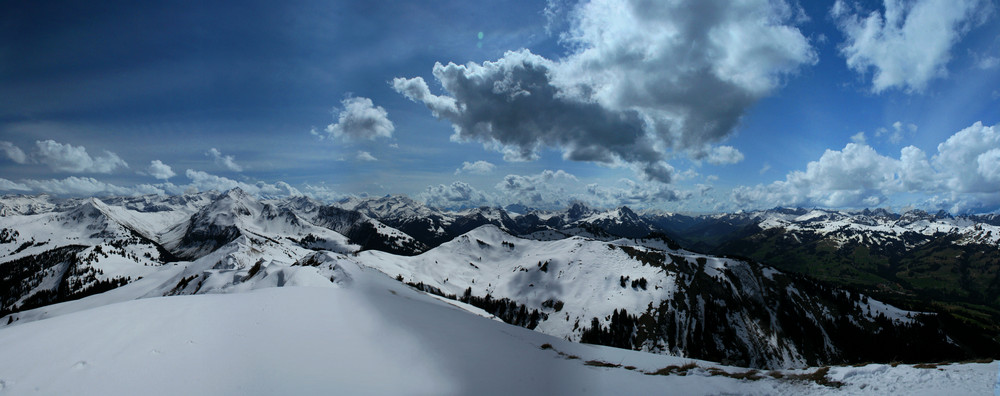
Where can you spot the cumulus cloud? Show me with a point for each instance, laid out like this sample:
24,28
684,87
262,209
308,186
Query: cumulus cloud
963,173
74,159
225,161
13,152
454,196
360,119
909,43
7,185
365,156
643,80
478,167
989,165
160,170
968,159
854,176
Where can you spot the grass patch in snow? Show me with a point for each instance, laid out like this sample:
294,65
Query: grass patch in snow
675,370
818,376
598,363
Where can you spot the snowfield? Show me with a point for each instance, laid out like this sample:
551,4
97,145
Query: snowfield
366,334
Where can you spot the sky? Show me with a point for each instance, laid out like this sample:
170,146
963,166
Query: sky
681,106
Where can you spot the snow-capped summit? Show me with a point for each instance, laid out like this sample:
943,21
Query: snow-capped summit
236,213
620,222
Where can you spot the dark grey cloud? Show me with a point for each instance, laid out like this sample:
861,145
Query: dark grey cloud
512,105
644,81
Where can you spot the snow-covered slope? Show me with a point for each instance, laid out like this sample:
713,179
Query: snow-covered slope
669,301
55,256
364,333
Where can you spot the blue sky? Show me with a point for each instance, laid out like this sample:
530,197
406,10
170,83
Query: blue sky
696,106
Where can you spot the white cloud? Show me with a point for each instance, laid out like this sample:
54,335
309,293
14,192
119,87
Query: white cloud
365,156
909,43
987,62
989,165
845,178
225,161
160,170
643,80
361,119
556,189
967,159
632,193
859,138
454,196
478,167
322,193
964,171
88,186
763,169
314,132
13,152
518,183
203,181
7,185
547,189
75,159
897,133
724,155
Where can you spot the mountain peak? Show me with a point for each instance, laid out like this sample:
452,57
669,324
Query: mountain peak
236,193
578,210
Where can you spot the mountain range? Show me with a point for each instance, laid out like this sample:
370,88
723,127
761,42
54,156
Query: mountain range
774,289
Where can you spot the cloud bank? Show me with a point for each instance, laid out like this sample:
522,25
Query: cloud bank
962,176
